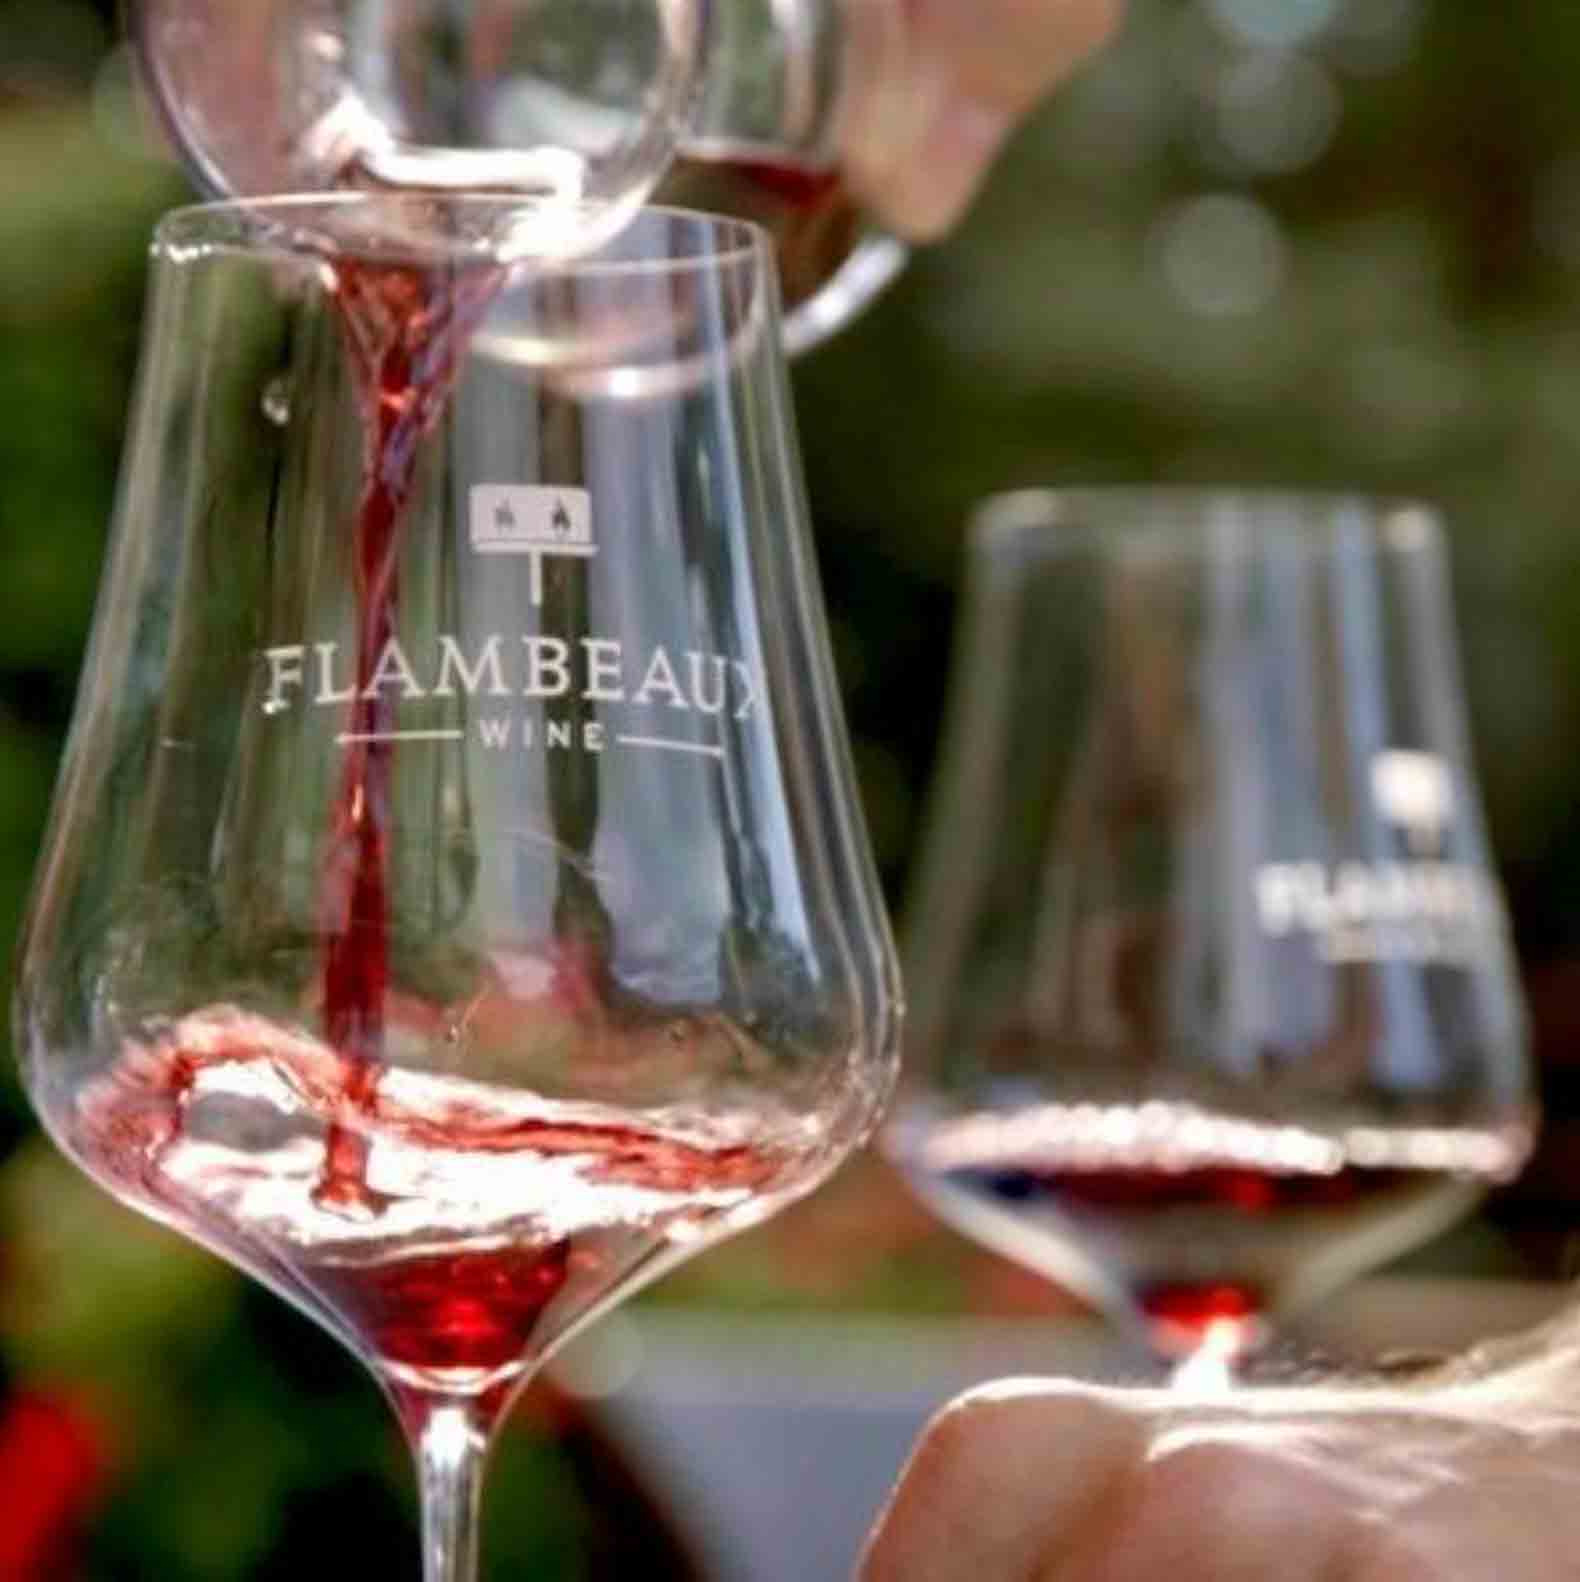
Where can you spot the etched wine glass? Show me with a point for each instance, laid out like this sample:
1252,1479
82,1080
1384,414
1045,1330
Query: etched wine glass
456,907
1214,1006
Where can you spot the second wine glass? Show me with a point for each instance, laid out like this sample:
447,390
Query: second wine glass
1213,1000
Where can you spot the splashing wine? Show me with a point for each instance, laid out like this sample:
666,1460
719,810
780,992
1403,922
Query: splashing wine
1192,1225
488,1221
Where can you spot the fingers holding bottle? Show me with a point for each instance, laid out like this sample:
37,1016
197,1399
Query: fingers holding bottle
947,82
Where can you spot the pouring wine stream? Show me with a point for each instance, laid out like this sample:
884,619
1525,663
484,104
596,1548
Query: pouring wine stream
406,328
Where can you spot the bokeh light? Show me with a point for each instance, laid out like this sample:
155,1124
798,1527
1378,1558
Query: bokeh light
1221,255
1370,38
1277,112
1273,24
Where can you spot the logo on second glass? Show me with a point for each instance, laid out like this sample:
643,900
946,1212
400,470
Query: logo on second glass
1415,791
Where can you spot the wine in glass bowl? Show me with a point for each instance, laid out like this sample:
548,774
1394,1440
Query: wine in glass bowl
453,1230
1214,1008
1194,1224
455,909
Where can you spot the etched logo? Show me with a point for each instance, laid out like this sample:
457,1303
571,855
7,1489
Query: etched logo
1420,909
1415,791
698,690
647,696
534,520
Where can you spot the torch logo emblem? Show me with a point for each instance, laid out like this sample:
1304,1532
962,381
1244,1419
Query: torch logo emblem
1415,791
533,520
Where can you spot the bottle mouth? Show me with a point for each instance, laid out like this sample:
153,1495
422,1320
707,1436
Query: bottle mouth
578,101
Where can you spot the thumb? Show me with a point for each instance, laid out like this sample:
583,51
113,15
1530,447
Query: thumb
1004,1481
946,82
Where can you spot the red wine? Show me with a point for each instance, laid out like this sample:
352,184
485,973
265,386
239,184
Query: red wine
1120,1203
405,327
491,1219
806,209
1189,1220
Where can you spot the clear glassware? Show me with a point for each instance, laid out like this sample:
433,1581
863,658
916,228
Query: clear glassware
1213,1001
456,908
738,106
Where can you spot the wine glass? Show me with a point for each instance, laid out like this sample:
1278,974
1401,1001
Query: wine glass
1213,1002
456,908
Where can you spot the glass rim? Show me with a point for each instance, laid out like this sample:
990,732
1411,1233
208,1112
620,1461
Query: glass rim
262,227
1181,516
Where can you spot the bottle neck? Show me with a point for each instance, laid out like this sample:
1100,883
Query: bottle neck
770,78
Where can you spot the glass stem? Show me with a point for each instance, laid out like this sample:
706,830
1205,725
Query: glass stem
1213,1368
451,1446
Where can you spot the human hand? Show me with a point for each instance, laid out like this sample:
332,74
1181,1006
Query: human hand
960,76
1472,1476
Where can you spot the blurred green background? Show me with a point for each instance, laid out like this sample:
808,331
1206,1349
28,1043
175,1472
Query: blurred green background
1309,242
